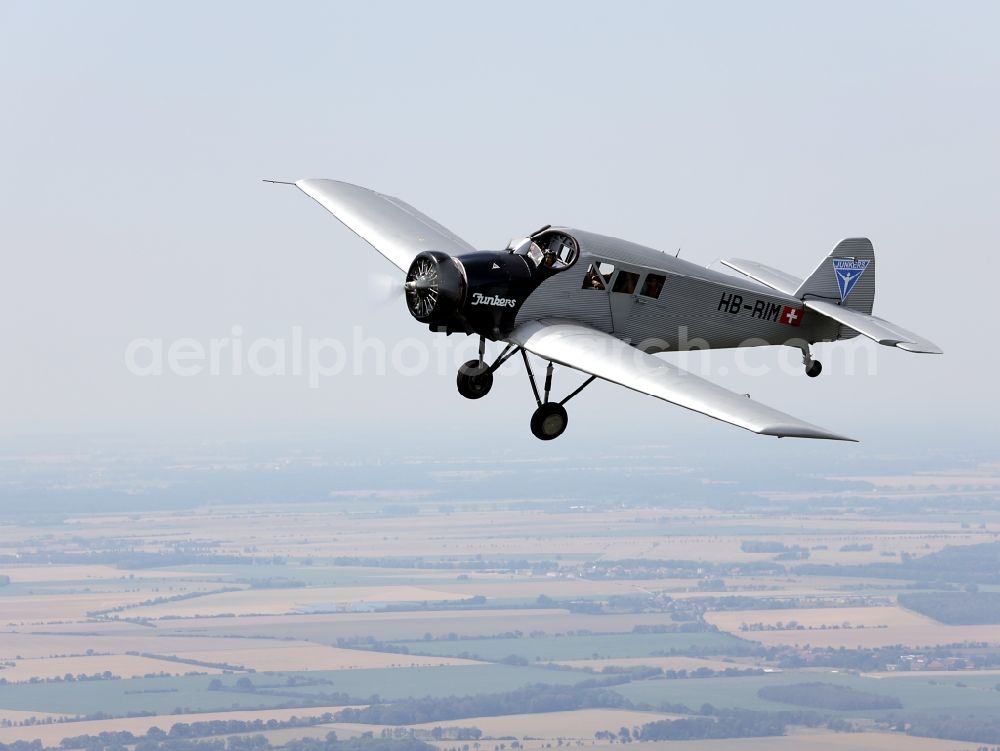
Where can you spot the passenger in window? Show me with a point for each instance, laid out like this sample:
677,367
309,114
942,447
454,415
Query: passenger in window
592,280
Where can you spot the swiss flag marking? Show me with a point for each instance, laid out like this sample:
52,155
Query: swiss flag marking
791,316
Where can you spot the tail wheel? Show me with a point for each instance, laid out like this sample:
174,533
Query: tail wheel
814,369
475,379
549,421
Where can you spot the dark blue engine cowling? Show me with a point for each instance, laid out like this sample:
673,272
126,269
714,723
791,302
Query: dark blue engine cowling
474,293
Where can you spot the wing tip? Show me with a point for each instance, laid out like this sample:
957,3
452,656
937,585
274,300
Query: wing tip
923,348
805,431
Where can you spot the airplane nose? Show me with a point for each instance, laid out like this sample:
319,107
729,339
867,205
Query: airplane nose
418,283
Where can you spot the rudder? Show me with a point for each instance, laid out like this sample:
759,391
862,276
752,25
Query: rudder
845,277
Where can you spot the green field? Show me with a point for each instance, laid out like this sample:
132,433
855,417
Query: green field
591,646
916,694
165,695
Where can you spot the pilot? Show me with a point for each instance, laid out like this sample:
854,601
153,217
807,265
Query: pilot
549,259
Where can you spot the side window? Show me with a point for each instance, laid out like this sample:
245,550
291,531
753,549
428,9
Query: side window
606,270
625,282
653,285
592,279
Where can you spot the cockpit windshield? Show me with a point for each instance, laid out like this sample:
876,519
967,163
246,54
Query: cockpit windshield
550,248
528,248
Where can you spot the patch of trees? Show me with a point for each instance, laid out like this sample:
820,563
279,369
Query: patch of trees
964,564
730,723
955,608
857,547
735,725
4,580
107,675
191,661
819,695
984,729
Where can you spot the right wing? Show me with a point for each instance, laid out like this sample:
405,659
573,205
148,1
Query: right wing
766,275
394,228
604,356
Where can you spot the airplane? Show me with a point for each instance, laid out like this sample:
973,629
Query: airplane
604,306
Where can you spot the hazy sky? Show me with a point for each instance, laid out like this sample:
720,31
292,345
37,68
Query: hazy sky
134,138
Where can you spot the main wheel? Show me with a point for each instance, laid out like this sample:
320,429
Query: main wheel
549,421
814,369
474,380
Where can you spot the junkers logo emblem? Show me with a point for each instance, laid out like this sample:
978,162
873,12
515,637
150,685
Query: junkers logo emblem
495,300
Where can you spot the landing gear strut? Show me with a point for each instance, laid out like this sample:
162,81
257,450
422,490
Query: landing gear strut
475,378
813,367
550,419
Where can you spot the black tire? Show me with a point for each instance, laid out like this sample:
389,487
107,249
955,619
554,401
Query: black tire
474,380
549,421
814,369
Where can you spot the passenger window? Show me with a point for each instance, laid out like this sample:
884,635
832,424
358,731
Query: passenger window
625,282
653,285
606,270
592,279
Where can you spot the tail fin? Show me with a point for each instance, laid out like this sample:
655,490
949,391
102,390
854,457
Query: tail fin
846,277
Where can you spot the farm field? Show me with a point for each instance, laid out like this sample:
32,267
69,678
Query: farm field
52,734
295,656
562,648
579,724
664,663
543,621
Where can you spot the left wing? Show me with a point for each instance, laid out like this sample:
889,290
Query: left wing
394,228
604,356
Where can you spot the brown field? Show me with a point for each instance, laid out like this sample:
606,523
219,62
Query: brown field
579,724
901,626
29,609
81,573
51,735
30,645
277,656
125,666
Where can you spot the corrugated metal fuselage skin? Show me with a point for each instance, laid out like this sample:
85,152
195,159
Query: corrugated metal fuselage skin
698,308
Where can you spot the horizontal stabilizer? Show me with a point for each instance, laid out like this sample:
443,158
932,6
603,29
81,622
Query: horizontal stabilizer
767,276
607,357
875,328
